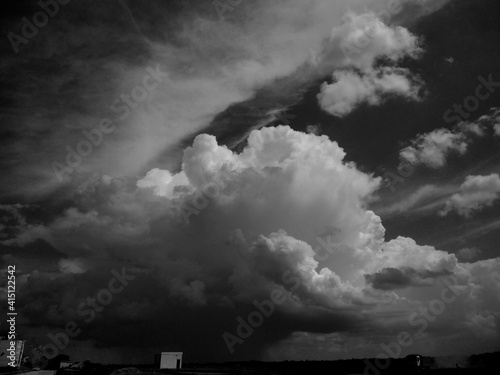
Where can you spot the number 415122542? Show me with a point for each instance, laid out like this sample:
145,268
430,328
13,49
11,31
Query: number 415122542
11,287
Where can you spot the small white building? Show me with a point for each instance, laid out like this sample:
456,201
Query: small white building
169,360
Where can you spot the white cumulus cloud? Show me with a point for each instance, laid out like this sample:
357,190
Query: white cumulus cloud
364,39
475,193
350,89
432,148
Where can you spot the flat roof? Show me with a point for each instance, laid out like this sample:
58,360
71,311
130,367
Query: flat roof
171,352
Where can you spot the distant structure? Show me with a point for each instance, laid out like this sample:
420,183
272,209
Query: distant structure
418,361
413,360
169,360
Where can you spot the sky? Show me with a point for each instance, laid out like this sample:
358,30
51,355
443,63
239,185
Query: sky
251,180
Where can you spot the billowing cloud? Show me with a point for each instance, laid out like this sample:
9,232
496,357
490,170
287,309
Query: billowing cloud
226,232
475,193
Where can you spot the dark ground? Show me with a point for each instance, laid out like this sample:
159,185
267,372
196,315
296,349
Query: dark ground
482,364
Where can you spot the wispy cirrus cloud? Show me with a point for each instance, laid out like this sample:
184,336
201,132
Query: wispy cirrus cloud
424,199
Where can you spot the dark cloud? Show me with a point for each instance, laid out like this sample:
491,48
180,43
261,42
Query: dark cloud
400,278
